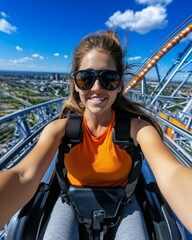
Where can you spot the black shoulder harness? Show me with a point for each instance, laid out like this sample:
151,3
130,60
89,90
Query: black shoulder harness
121,136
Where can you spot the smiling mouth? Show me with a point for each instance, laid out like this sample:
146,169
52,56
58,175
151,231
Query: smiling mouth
97,99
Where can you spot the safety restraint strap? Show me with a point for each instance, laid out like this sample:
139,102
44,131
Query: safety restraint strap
73,135
121,136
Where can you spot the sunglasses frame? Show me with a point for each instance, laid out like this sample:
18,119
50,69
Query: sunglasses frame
97,74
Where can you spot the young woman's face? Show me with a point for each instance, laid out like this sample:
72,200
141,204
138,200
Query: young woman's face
97,100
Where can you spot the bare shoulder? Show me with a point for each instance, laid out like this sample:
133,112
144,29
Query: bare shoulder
150,141
139,123
55,129
141,129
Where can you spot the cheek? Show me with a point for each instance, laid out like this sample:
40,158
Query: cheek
115,96
82,95
112,97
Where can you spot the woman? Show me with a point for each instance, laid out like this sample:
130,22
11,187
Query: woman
97,60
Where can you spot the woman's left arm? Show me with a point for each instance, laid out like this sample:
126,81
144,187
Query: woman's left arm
173,178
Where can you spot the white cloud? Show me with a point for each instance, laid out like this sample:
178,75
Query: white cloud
65,56
56,54
152,17
19,48
134,58
36,55
7,27
21,60
4,15
154,2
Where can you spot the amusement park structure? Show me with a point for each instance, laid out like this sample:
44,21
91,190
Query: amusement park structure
170,96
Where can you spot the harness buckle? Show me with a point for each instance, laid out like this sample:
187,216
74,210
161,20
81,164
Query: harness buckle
65,198
98,217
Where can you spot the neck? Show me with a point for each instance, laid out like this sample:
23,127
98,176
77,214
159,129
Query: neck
97,123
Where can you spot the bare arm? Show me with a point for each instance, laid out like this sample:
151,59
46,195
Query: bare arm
173,178
18,185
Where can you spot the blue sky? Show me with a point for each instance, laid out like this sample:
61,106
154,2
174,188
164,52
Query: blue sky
40,35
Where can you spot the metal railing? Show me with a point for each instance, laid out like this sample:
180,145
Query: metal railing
19,131
177,125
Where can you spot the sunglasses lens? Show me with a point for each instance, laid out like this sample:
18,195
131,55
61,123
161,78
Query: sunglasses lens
84,79
110,80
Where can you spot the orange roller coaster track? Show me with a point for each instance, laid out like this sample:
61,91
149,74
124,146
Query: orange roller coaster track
175,40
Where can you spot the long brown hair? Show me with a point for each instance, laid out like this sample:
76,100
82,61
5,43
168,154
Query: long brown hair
107,42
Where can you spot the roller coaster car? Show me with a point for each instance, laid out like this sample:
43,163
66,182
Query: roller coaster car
31,221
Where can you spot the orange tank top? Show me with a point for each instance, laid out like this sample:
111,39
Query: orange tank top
97,161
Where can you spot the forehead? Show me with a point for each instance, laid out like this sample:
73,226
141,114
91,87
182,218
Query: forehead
96,59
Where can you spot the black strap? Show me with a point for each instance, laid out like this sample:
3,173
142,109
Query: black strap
121,132
73,132
122,137
137,158
73,135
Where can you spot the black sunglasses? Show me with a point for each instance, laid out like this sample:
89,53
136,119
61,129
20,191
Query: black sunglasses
85,79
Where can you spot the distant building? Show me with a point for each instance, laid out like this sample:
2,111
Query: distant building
57,76
52,77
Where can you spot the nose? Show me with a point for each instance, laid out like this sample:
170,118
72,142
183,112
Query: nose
96,85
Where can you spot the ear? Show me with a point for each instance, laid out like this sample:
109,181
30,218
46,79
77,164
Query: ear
119,88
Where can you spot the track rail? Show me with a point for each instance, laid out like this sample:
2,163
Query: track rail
151,61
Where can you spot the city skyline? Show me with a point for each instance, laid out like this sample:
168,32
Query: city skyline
41,36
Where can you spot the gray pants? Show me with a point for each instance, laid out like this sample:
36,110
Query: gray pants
63,224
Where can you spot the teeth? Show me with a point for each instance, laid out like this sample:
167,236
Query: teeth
97,99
